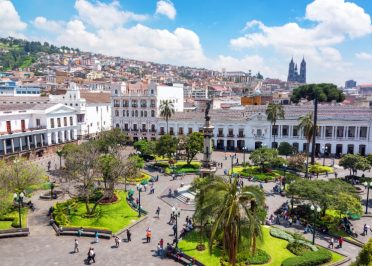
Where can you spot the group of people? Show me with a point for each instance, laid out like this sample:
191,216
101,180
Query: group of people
331,242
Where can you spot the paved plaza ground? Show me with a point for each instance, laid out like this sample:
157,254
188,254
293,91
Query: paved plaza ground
43,247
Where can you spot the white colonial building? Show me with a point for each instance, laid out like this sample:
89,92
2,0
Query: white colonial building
27,128
93,110
342,129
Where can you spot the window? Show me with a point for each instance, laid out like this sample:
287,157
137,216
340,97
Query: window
295,131
71,121
59,122
363,132
161,130
220,132
126,127
285,130
145,113
190,130
141,113
328,132
116,112
23,125
136,113
171,132
231,132
97,108
153,128
275,130
241,133
152,113
340,132
116,91
123,113
180,131
37,122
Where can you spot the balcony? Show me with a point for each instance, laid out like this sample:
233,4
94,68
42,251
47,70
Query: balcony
180,133
152,130
143,106
161,133
259,136
143,130
241,135
230,135
116,104
134,105
152,105
134,129
126,105
220,135
171,133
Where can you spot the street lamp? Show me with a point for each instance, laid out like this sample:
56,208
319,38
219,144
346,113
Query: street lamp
307,167
176,212
368,185
51,189
18,197
232,167
244,150
139,188
324,150
59,153
315,210
285,170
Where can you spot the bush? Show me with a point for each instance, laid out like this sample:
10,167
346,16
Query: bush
278,233
365,255
298,248
243,258
320,169
309,259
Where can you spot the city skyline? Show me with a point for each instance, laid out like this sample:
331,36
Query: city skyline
334,36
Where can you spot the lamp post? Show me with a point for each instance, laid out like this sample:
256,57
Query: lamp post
316,210
307,168
285,170
232,167
324,150
244,150
51,189
368,185
59,153
18,197
139,188
176,212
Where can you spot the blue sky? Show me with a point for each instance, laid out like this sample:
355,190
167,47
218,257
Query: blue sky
335,36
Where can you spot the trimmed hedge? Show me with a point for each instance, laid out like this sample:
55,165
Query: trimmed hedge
309,259
278,233
245,258
298,248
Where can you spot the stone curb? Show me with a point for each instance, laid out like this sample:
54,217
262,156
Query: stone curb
347,259
132,225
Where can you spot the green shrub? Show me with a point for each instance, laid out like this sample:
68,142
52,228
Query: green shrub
309,259
243,258
365,255
278,233
298,248
15,222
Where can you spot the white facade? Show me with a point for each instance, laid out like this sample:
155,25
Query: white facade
341,129
173,94
31,127
92,116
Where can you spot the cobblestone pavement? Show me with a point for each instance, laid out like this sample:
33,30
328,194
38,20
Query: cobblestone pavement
42,247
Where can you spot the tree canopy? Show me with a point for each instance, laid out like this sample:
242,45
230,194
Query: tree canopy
354,162
166,146
193,145
325,92
285,149
263,156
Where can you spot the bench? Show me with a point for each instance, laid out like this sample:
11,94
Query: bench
14,232
91,232
183,258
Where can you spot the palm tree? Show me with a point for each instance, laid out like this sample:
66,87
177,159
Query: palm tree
306,124
166,110
274,112
324,92
233,210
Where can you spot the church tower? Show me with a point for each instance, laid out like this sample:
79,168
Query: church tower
302,77
291,70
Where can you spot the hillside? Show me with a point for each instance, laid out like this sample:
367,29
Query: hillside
17,53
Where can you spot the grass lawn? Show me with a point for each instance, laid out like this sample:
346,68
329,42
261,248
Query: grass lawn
143,176
335,258
275,247
182,167
109,216
188,245
14,214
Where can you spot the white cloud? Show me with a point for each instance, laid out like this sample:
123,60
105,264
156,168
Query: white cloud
105,16
48,25
10,22
166,8
334,21
364,56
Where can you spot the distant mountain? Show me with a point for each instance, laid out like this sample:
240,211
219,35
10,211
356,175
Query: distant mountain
17,53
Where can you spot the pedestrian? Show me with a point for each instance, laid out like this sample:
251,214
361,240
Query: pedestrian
161,242
331,242
129,235
174,230
97,236
340,241
158,212
80,232
117,241
76,246
157,178
365,229
336,174
148,236
187,219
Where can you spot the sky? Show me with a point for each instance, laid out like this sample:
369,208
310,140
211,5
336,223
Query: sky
334,36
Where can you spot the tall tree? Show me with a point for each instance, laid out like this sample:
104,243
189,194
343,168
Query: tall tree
110,141
264,156
274,112
193,145
323,92
166,110
306,125
166,146
285,149
232,210
354,162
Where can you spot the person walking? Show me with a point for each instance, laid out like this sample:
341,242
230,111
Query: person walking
76,246
340,241
117,241
129,235
331,243
148,235
96,235
365,229
157,212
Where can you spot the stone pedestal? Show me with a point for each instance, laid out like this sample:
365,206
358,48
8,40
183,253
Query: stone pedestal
208,168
